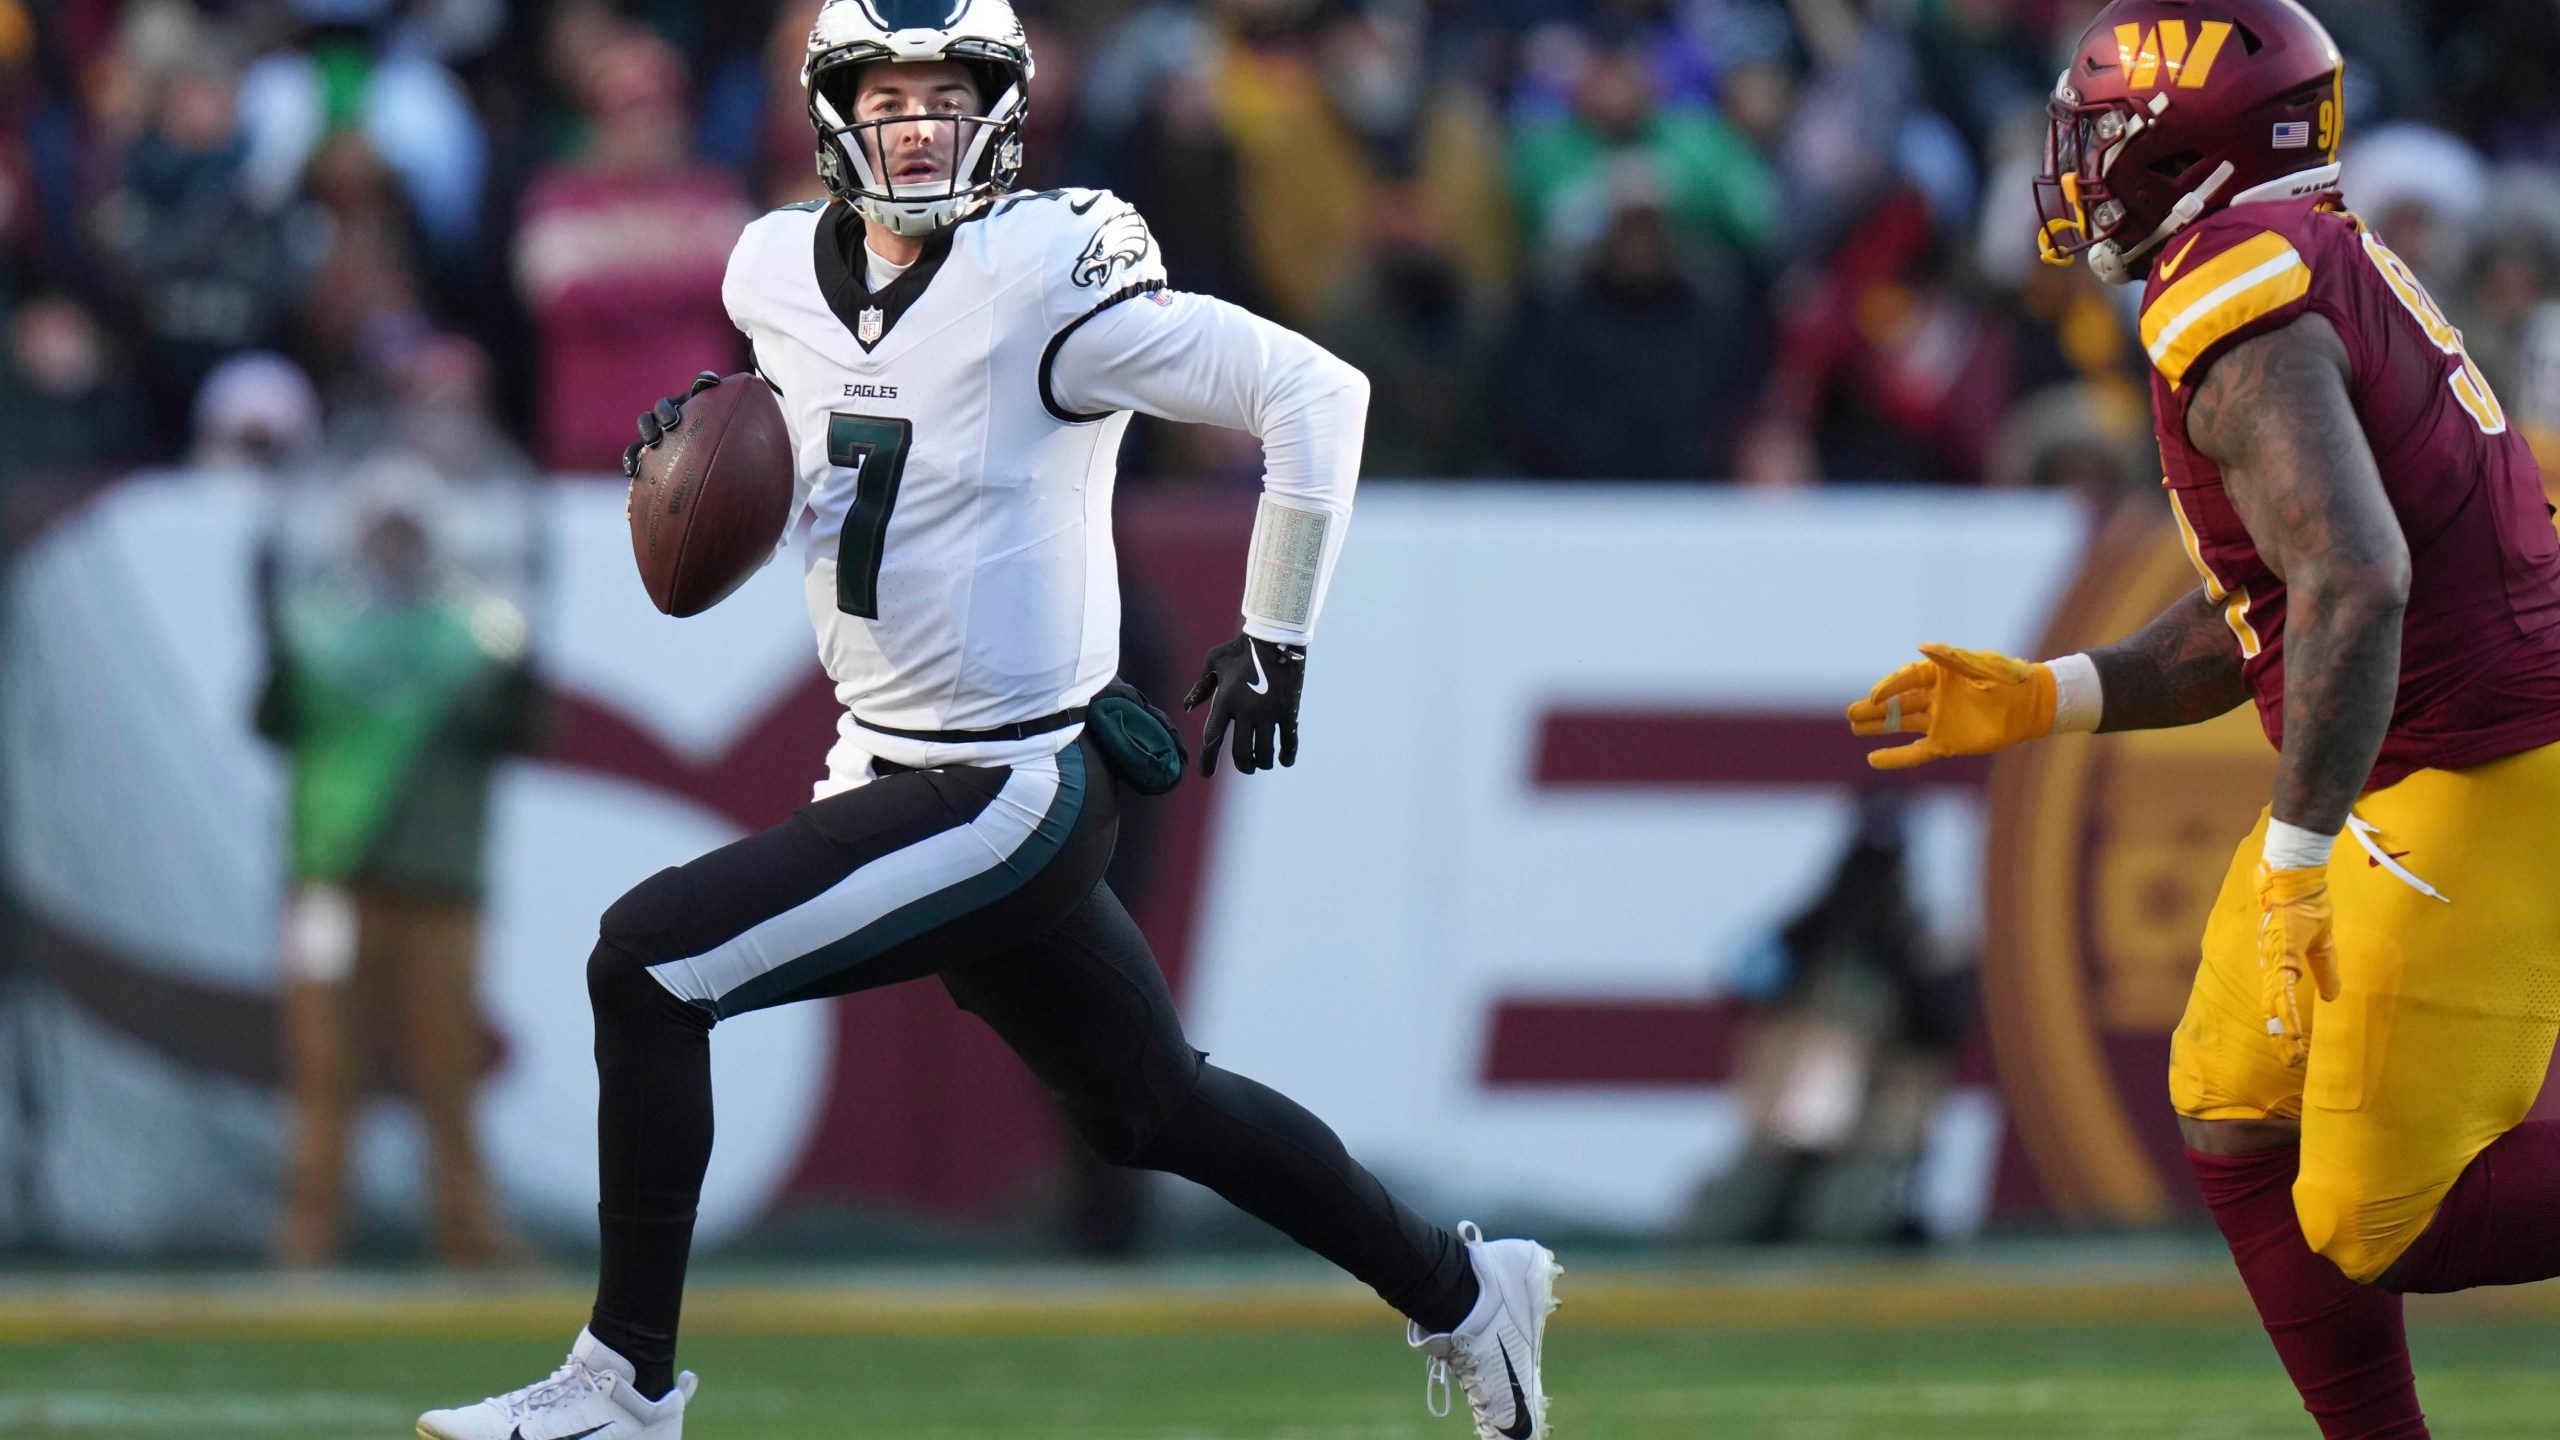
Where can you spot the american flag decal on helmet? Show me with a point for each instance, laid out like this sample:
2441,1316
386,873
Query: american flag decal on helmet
2293,135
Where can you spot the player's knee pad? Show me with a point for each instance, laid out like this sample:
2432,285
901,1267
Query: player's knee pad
2352,1225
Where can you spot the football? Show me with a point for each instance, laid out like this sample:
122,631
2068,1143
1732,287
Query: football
712,499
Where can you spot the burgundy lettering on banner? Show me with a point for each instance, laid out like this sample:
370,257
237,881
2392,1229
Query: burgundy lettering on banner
1547,1041
1658,749
1611,1042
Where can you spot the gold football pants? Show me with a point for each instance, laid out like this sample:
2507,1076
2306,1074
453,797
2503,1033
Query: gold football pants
2448,1002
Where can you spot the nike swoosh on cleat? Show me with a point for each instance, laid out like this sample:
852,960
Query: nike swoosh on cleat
518,1433
1522,1422
1260,684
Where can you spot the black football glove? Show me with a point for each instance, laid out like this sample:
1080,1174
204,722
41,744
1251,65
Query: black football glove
660,418
1254,684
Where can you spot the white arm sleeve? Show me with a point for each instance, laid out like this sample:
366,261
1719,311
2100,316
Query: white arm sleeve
1191,358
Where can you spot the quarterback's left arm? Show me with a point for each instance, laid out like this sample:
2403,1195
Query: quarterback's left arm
1199,360
2276,415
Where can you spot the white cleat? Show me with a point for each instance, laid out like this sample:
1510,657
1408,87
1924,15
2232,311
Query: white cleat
1496,1353
589,1398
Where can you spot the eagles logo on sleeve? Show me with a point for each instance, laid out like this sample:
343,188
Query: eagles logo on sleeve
1119,248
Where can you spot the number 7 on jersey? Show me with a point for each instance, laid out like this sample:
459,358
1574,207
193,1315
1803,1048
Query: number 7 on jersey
874,448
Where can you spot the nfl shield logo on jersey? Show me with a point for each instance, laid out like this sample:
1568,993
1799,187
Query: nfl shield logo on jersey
873,322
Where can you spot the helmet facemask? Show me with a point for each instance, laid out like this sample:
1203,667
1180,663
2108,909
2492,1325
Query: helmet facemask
982,153
2078,212
2074,210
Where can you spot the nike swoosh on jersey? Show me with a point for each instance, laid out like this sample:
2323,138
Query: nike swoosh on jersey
1522,1422
1260,684
581,1435
1087,204
2170,266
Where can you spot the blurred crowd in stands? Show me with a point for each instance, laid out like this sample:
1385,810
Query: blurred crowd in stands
1772,241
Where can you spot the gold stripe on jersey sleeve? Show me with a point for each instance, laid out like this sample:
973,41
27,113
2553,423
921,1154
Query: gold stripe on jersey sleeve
2258,275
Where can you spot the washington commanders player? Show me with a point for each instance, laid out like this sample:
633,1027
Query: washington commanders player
956,364
2381,576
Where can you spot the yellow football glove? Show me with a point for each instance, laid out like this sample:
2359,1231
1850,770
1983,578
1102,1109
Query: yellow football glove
1961,702
2294,939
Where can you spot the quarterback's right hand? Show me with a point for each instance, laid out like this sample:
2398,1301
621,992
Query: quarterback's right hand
660,418
1960,702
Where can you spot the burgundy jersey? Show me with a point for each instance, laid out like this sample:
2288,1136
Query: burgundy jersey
2480,644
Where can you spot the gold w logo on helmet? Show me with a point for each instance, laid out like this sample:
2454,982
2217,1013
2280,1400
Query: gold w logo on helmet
2165,47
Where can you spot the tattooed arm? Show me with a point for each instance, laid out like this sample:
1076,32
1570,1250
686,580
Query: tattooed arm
2181,669
2275,415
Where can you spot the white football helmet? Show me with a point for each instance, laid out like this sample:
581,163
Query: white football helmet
984,35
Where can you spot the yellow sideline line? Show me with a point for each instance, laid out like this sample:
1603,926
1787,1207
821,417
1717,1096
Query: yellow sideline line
1609,1301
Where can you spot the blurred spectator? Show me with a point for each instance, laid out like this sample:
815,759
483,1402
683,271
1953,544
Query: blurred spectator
2535,393
1635,371
450,30
1555,56
2500,60
2074,437
1429,343
367,288
786,148
2513,269
410,110
440,409
1048,148
395,598
1716,190
1838,149
620,256
725,47
206,269
1183,176
257,412
23,106
2386,54
1979,66
1758,97
1885,368
74,413
2421,189
1321,110
1860,128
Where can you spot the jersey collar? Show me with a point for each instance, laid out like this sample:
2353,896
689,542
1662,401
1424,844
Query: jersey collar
844,279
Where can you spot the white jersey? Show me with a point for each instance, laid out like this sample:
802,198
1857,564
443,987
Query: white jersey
956,436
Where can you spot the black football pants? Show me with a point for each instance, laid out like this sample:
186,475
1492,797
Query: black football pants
990,878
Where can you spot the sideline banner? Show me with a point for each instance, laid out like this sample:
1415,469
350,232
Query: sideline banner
1570,754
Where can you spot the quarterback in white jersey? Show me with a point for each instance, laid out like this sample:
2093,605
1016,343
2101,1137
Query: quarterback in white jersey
956,363
956,415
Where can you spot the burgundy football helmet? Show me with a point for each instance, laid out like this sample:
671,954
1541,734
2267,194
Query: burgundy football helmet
2174,107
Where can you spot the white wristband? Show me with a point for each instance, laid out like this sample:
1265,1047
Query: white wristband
2076,694
2290,847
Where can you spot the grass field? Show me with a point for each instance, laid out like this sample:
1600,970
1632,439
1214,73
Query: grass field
1870,1352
